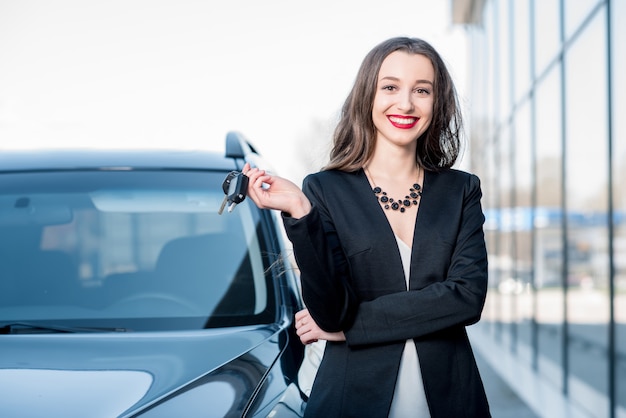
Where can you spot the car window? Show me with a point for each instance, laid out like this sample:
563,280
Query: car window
131,249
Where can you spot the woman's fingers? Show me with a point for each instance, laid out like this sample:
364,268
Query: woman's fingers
302,314
309,332
305,327
256,191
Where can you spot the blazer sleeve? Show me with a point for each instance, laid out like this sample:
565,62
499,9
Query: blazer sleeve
456,300
324,269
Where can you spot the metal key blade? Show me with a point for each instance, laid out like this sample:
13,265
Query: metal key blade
226,185
223,205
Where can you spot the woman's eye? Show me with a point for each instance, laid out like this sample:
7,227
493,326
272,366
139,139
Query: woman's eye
388,88
422,91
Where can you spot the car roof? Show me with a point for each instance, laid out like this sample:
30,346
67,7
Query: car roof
237,150
76,159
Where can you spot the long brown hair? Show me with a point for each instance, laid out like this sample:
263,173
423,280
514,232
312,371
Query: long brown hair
355,134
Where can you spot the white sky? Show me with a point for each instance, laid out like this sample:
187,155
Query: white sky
182,73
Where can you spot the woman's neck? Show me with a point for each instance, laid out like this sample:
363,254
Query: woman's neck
395,163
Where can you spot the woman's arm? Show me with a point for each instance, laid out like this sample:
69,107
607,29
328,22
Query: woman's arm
324,271
324,268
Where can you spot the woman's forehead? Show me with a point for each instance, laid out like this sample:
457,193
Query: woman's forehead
406,66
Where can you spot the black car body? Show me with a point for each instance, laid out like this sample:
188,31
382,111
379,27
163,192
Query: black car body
124,293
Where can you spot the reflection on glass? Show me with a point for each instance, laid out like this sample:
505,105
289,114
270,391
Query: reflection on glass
505,53
548,242
587,233
576,12
619,195
502,261
522,240
547,41
521,39
548,234
137,250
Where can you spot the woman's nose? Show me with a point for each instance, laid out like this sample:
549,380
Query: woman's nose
405,103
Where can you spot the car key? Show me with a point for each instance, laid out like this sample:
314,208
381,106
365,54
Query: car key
235,188
225,188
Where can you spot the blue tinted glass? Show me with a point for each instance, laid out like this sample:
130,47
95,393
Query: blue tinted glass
129,245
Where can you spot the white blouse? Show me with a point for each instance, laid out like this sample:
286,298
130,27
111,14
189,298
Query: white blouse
409,398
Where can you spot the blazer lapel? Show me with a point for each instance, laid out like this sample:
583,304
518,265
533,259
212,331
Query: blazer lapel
382,229
424,235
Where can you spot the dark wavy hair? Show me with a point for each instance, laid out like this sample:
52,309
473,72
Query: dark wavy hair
355,135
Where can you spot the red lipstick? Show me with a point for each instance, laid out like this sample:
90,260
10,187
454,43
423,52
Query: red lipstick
402,122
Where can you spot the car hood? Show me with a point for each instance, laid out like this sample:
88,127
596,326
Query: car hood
111,375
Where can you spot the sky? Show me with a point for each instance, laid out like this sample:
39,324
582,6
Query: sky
182,73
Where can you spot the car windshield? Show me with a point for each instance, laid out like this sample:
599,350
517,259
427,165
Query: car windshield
132,250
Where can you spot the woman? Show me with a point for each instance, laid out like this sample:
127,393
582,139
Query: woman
389,242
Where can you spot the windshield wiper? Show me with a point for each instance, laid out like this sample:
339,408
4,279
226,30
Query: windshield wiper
32,328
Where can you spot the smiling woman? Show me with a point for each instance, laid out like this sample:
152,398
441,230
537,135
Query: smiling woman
390,287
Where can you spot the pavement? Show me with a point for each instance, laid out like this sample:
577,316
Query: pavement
503,400
515,390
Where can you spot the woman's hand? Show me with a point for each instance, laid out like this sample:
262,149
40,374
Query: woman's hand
309,332
277,193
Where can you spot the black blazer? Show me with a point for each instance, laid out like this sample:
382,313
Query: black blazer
352,280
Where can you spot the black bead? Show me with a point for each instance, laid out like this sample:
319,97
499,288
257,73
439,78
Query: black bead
407,202
395,206
386,206
384,199
415,202
377,190
417,186
401,209
414,195
391,200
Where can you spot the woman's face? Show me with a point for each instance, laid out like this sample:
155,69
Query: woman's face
403,103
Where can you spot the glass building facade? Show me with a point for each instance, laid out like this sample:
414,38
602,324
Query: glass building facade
547,126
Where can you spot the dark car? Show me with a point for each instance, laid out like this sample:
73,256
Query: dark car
124,293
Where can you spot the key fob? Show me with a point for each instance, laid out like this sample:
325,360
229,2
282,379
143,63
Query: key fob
235,187
237,190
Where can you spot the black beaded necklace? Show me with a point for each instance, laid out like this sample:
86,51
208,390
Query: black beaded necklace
409,200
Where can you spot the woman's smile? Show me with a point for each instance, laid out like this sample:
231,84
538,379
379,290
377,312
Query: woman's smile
403,122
